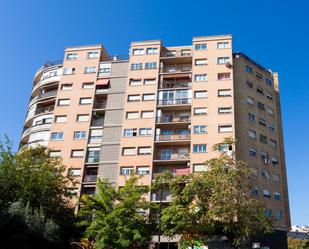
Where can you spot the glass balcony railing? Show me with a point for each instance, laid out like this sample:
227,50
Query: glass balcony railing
92,159
183,101
173,118
175,84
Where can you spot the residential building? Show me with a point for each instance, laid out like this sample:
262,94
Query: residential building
163,108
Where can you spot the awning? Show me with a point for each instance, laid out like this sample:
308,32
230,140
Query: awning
102,82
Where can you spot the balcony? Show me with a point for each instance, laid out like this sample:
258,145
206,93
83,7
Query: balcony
174,136
99,104
92,159
43,95
41,110
174,84
90,178
182,53
171,102
172,156
165,197
36,128
184,117
178,68
175,171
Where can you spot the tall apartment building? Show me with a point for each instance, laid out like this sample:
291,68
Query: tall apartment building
161,109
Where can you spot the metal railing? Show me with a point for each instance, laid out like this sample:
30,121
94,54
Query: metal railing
173,137
172,119
175,84
176,68
99,105
97,122
176,54
172,156
44,110
183,101
90,178
92,159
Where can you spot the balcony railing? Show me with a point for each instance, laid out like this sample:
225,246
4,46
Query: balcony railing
176,68
175,84
44,110
175,156
173,137
90,178
176,54
173,119
97,122
174,171
94,159
184,101
99,104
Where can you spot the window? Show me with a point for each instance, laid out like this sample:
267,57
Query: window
275,178
148,96
200,77
79,135
144,150
264,157
132,115
249,69
225,147
224,76
261,106
250,100
266,193
274,160
223,60
72,56
263,139
252,134
199,148
135,82
61,119
270,111
93,54
278,215
131,132
56,136
134,98
74,172
252,152
136,66
138,51
85,101
225,110
251,117
273,143
90,70
255,191
44,121
149,81
201,46
272,127
93,155
200,62
200,94
262,121
77,153
200,129
224,93
199,167
82,117
152,50
200,111
147,114
68,70
88,85
55,153
265,174
145,131
63,102
126,170
268,82
222,45
128,151
277,196
95,136
260,90
249,83
66,87
143,170
269,96
150,65
225,128
259,76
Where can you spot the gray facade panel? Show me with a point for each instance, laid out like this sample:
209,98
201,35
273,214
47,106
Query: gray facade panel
115,101
111,135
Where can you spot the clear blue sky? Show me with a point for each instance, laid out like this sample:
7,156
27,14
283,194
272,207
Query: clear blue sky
273,32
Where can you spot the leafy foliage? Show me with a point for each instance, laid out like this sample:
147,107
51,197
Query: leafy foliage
117,220
216,201
36,181
297,243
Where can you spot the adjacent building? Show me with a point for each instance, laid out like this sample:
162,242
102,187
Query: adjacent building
162,108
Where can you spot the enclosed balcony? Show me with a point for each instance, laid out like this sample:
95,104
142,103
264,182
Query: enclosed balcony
177,136
176,68
91,175
176,54
173,117
172,154
174,169
175,102
93,155
172,83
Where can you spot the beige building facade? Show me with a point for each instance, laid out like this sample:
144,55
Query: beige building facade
162,108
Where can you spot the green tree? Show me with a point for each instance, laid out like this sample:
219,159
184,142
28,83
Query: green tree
297,243
32,178
216,201
118,218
